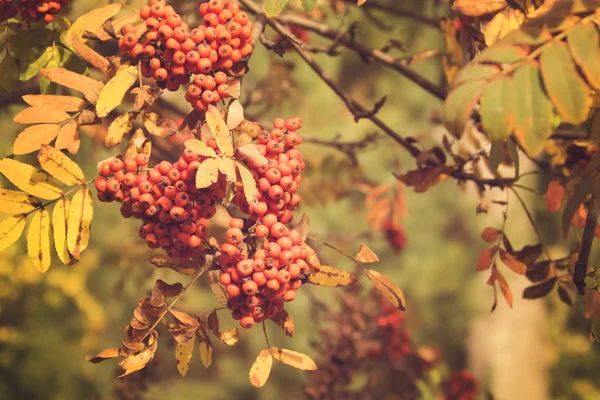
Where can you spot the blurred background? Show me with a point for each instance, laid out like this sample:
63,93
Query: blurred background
428,245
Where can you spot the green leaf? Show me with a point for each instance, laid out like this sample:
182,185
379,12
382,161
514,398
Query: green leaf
9,71
495,157
474,71
497,115
567,90
459,105
533,110
309,5
502,53
584,43
274,7
531,36
33,68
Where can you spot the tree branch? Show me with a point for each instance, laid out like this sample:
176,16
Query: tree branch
370,5
586,246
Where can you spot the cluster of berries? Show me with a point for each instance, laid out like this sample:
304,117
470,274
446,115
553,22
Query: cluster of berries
171,53
32,10
174,212
460,385
259,284
396,337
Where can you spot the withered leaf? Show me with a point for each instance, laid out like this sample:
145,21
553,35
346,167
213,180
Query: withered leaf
312,260
261,369
490,235
285,322
145,95
205,348
504,287
366,255
183,355
159,127
216,287
511,262
104,355
235,114
564,296
538,271
38,240
331,277
485,258
121,126
250,150
137,361
220,131
392,293
539,290
294,359
91,56
303,226
229,337
252,129
183,267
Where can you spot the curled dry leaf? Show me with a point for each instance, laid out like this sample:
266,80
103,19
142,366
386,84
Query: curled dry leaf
490,235
331,277
294,359
113,92
11,230
60,166
145,95
183,267
229,337
138,360
38,240
138,144
261,369
285,322
90,88
80,221
121,126
14,202
29,179
107,354
252,129
392,293
33,137
220,131
183,355
159,127
366,255
205,348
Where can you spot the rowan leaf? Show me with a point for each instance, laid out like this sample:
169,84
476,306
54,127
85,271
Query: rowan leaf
294,359
81,213
274,7
504,287
502,53
250,150
473,72
230,337
183,356
38,240
107,354
68,137
60,216
539,290
459,105
90,88
205,348
183,267
138,144
41,115
497,115
91,22
309,5
490,235
34,67
502,24
580,192
285,322
200,147
331,277
227,167
115,89
569,93
392,293
477,8
584,44
313,259
216,287
485,258
29,179
11,230
220,131
248,182
261,369
121,126
207,173
14,202
554,196
60,166
366,255
511,262
55,102
91,56
33,137
138,360
533,110
235,114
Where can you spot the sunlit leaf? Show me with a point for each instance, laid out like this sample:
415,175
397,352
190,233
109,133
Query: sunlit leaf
68,137
294,359
501,24
303,227
511,262
91,22
285,322
227,167
250,150
476,8
60,215
554,196
90,88
121,126
33,137
312,260
200,147
41,115
60,166
485,258
584,44
220,131
115,89
497,115
331,277
261,369
500,53
250,189
14,202
81,213
459,106
107,354
183,355
29,179
38,240
274,7
392,293
207,173
504,287
235,114
11,230
55,102
366,255
159,127
230,337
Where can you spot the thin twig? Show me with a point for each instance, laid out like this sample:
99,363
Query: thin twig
586,246
370,5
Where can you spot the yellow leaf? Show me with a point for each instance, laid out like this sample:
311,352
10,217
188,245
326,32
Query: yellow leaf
366,255
312,259
118,24
183,355
205,348
29,179
13,202
60,166
200,147
59,227
476,8
55,102
331,277
387,288
92,57
216,287
229,337
227,168
41,115
207,174
115,89
80,219
361,2
285,322
38,240
502,24
91,22
118,128
220,131
138,144
235,114
261,369
90,88
137,361
33,137
68,137
454,58
11,230
250,189
294,359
